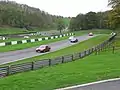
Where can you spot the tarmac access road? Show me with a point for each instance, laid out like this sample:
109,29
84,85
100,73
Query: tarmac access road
111,84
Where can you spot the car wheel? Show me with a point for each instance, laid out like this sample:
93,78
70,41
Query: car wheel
44,51
48,50
37,51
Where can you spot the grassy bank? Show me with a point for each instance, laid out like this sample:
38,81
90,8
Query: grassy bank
10,30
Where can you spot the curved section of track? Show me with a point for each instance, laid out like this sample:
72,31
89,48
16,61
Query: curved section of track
111,84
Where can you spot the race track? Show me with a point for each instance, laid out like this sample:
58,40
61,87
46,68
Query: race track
12,56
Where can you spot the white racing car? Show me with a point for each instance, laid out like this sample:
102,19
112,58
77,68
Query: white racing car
90,34
72,39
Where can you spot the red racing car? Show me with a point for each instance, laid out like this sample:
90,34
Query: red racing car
43,48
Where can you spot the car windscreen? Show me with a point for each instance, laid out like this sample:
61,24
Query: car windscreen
42,46
73,39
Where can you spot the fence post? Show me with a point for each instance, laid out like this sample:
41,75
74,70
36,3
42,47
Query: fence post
72,58
92,50
79,55
101,47
89,51
96,51
108,45
105,47
49,62
62,59
84,53
113,49
32,68
8,70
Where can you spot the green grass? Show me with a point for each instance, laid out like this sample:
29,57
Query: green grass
28,45
94,31
69,50
89,69
19,39
11,30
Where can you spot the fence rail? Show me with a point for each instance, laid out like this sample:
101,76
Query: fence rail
17,68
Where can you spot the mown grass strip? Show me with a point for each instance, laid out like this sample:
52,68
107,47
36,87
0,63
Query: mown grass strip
21,38
94,31
28,45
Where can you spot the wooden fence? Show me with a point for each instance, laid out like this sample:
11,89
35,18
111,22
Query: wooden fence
17,68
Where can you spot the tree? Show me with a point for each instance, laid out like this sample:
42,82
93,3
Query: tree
60,25
91,20
23,16
115,13
114,3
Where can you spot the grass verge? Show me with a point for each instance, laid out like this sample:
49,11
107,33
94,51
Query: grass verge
94,31
28,45
21,38
10,30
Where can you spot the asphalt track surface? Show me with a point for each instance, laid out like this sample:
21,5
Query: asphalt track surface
107,85
12,56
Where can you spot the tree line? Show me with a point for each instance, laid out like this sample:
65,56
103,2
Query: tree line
101,20
23,16
91,20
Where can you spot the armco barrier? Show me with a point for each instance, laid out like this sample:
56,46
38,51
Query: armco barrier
33,40
17,68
